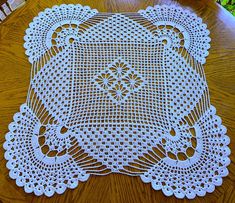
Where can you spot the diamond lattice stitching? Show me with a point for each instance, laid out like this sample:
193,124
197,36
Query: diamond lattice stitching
119,80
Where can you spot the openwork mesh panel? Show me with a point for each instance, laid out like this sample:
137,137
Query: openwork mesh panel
117,93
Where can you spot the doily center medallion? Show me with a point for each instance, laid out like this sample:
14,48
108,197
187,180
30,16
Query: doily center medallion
119,80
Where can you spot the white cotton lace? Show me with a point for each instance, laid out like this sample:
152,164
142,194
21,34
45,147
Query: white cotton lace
117,92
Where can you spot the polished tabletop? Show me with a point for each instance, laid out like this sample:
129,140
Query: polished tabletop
116,188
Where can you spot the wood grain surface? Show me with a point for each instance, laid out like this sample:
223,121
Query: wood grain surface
14,81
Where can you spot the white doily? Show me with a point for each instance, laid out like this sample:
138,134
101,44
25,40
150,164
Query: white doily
123,93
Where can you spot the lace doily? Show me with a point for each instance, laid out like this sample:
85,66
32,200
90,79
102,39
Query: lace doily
117,93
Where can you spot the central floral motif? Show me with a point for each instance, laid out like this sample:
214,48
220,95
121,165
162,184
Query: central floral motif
119,80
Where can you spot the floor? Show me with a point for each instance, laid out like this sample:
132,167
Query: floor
14,81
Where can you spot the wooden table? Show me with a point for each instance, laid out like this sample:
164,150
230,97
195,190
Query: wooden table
14,81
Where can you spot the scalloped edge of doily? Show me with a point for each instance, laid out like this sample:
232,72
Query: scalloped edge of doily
25,45
149,8
208,190
165,192
17,179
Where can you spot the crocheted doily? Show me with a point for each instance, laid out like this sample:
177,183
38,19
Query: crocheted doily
117,93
